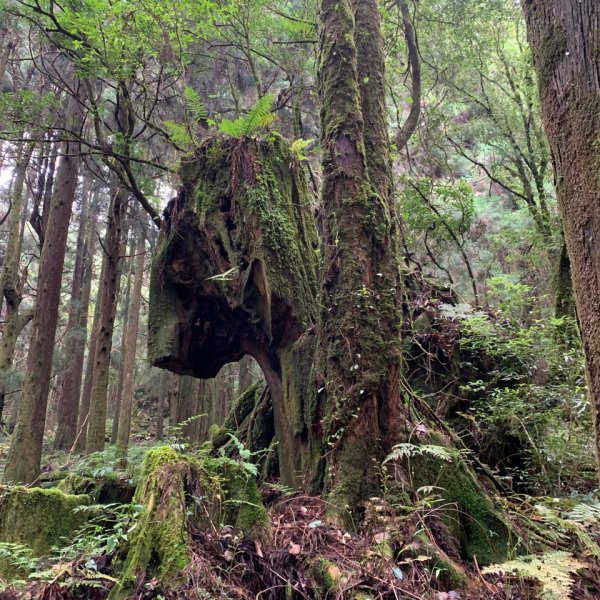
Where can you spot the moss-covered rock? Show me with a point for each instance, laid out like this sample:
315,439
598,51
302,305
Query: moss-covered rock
39,518
468,511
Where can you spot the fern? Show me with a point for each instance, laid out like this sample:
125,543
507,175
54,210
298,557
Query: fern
584,513
178,132
552,569
194,104
297,148
401,451
259,116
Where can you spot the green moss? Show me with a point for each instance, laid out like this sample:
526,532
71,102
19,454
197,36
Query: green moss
243,506
175,488
39,518
468,510
551,50
103,490
159,544
329,577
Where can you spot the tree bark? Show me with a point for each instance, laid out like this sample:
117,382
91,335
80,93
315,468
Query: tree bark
109,285
23,462
125,306
84,401
358,355
12,282
126,403
68,399
564,36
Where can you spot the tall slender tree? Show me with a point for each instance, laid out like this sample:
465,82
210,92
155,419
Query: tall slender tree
126,403
109,285
68,396
23,462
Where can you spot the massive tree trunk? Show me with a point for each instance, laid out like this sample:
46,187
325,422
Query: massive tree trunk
235,273
358,359
565,41
23,462
109,285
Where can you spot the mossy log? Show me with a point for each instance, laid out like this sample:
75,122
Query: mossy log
178,491
39,518
103,490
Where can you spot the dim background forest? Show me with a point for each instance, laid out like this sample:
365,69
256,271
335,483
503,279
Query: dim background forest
217,462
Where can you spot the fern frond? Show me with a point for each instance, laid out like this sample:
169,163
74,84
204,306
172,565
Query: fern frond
552,569
260,115
195,104
178,132
406,450
584,513
231,128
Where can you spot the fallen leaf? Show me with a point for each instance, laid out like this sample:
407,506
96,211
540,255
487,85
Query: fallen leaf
294,549
380,537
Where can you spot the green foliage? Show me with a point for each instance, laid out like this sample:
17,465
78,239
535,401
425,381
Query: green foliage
107,526
195,104
406,450
259,116
297,148
528,392
19,559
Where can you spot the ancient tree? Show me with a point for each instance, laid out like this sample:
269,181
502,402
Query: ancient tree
358,357
565,41
237,271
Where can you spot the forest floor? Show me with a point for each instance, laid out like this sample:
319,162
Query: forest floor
397,553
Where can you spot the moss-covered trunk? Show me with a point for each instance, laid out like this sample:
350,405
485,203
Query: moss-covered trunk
235,274
565,43
358,361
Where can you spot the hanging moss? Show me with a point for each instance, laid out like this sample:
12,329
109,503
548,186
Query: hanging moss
39,518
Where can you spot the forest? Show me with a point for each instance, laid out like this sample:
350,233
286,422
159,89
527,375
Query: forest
299,299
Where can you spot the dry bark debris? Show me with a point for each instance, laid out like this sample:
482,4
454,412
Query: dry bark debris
309,557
